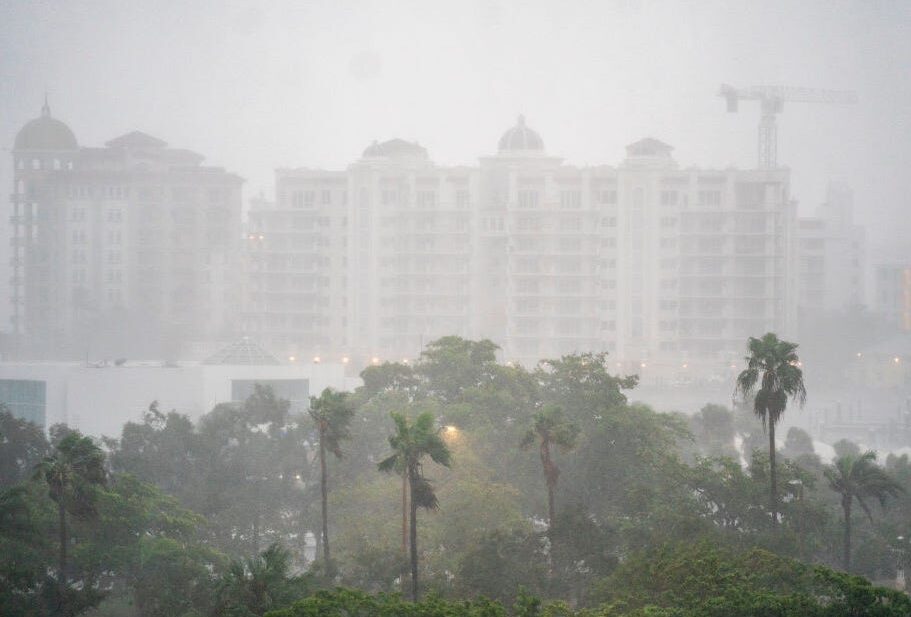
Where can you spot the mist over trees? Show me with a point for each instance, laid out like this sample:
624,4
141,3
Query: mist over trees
222,516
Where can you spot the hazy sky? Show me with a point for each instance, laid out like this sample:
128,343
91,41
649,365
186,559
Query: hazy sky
254,86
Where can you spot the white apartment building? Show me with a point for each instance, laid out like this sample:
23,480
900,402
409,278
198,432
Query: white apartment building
831,257
662,267
133,246
892,298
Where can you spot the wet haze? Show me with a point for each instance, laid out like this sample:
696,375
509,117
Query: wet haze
284,84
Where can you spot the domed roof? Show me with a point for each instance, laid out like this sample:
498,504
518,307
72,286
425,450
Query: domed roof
394,148
521,138
45,133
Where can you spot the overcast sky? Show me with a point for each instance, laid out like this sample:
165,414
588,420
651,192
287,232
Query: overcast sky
254,86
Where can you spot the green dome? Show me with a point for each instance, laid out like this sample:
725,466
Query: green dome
45,133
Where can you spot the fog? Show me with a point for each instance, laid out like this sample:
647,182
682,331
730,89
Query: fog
258,86
492,306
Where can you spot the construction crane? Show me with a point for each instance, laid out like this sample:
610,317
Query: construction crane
771,102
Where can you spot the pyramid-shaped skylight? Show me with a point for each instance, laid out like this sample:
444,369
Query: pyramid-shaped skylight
243,351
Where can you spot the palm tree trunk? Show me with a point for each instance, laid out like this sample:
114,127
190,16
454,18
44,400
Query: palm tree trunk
324,494
846,507
404,513
773,475
61,566
413,536
548,477
404,531
550,505
61,517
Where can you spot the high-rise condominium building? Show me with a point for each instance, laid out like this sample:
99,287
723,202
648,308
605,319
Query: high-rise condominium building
134,246
892,299
831,257
652,263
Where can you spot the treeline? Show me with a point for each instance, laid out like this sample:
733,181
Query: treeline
609,509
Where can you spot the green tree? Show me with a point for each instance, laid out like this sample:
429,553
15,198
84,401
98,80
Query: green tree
773,365
253,586
332,414
22,446
72,472
859,478
713,429
551,429
411,443
452,365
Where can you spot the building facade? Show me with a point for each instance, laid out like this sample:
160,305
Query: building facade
132,246
657,265
831,257
892,298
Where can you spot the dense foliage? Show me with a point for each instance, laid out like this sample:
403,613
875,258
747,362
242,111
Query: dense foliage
224,516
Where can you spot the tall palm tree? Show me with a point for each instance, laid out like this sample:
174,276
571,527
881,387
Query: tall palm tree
411,443
773,365
551,429
332,414
73,470
859,478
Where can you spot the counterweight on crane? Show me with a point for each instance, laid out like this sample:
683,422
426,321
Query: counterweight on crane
771,103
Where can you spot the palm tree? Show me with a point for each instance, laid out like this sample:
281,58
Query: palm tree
859,478
411,443
332,414
773,365
72,472
258,584
550,428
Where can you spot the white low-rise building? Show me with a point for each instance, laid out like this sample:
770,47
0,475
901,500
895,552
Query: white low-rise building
98,398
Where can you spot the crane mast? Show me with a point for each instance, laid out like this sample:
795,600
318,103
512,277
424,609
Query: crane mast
771,103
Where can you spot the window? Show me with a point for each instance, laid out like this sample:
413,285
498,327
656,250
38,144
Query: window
528,200
668,221
326,197
609,221
607,197
669,198
571,223
709,198
462,199
570,200
570,245
389,197
425,199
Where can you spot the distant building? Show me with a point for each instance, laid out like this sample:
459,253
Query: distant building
659,266
99,398
131,246
831,257
892,294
